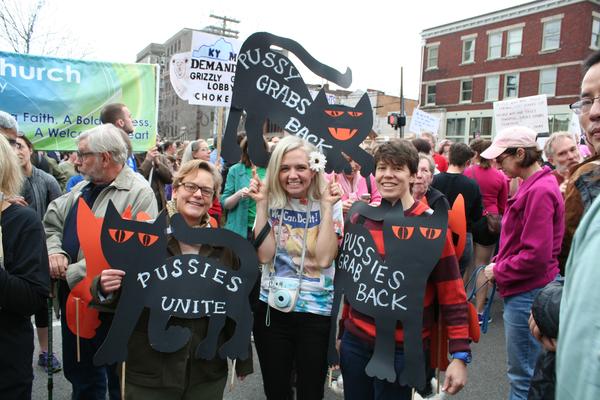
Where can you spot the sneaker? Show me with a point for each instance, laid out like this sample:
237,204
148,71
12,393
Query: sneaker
480,318
44,361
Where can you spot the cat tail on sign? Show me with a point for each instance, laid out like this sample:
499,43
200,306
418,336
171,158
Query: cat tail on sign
324,71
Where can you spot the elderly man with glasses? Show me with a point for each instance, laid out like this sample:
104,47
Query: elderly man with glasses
101,156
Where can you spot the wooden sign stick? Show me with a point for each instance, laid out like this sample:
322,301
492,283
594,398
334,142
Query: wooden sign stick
123,380
233,362
77,299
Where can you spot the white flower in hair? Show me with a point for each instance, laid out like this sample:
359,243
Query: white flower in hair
317,161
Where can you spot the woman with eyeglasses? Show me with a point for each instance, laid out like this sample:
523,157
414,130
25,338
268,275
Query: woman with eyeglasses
300,215
530,241
199,150
178,375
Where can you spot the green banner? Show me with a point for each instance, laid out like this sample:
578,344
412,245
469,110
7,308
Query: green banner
55,99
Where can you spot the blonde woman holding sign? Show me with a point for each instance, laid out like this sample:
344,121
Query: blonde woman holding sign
298,220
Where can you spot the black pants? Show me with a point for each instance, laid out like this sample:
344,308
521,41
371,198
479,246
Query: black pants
89,381
292,340
41,317
16,352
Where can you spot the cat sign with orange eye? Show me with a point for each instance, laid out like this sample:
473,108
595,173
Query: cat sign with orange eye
188,286
389,289
269,87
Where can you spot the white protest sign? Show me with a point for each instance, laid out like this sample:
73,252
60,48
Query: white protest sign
423,122
205,75
574,126
179,73
531,112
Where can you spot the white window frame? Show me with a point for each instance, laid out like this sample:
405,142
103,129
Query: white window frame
462,91
471,52
455,121
471,129
545,37
488,87
595,39
551,73
427,87
512,33
506,96
490,35
430,48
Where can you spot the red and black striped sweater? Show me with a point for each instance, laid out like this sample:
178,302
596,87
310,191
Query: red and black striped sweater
444,290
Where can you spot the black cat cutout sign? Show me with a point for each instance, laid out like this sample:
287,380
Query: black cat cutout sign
269,87
186,286
389,290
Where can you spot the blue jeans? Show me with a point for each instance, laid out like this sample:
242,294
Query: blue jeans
467,254
354,357
522,348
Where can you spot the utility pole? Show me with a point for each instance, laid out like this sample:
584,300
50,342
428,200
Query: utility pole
223,30
402,115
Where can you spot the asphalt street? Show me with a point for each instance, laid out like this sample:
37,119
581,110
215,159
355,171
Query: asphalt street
487,373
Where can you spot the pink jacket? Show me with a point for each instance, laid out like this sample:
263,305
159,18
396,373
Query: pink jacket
531,237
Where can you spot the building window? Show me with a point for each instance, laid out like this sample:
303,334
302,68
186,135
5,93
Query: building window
481,126
558,122
551,35
432,57
548,81
466,91
494,45
511,85
455,128
492,84
430,94
514,40
468,53
595,43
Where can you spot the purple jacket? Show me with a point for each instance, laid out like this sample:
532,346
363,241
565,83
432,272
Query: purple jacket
532,232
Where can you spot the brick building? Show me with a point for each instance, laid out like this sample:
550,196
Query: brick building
526,50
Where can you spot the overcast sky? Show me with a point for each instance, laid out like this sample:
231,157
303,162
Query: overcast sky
373,38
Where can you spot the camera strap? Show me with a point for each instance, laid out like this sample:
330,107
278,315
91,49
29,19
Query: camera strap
302,256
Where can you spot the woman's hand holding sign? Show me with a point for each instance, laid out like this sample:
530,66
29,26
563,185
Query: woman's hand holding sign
110,280
332,192
257,190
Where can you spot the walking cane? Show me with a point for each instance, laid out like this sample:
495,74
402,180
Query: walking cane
50,347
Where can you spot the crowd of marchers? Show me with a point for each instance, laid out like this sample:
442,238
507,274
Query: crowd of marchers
532,230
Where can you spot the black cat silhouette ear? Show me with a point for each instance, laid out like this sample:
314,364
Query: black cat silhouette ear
364,102
374,213
321,98
161,219
111,212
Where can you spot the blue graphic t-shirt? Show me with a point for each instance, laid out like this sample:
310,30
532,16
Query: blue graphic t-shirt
316,290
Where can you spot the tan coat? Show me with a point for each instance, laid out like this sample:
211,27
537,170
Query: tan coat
128,188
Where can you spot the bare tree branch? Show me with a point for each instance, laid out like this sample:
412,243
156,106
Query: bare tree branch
26,26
